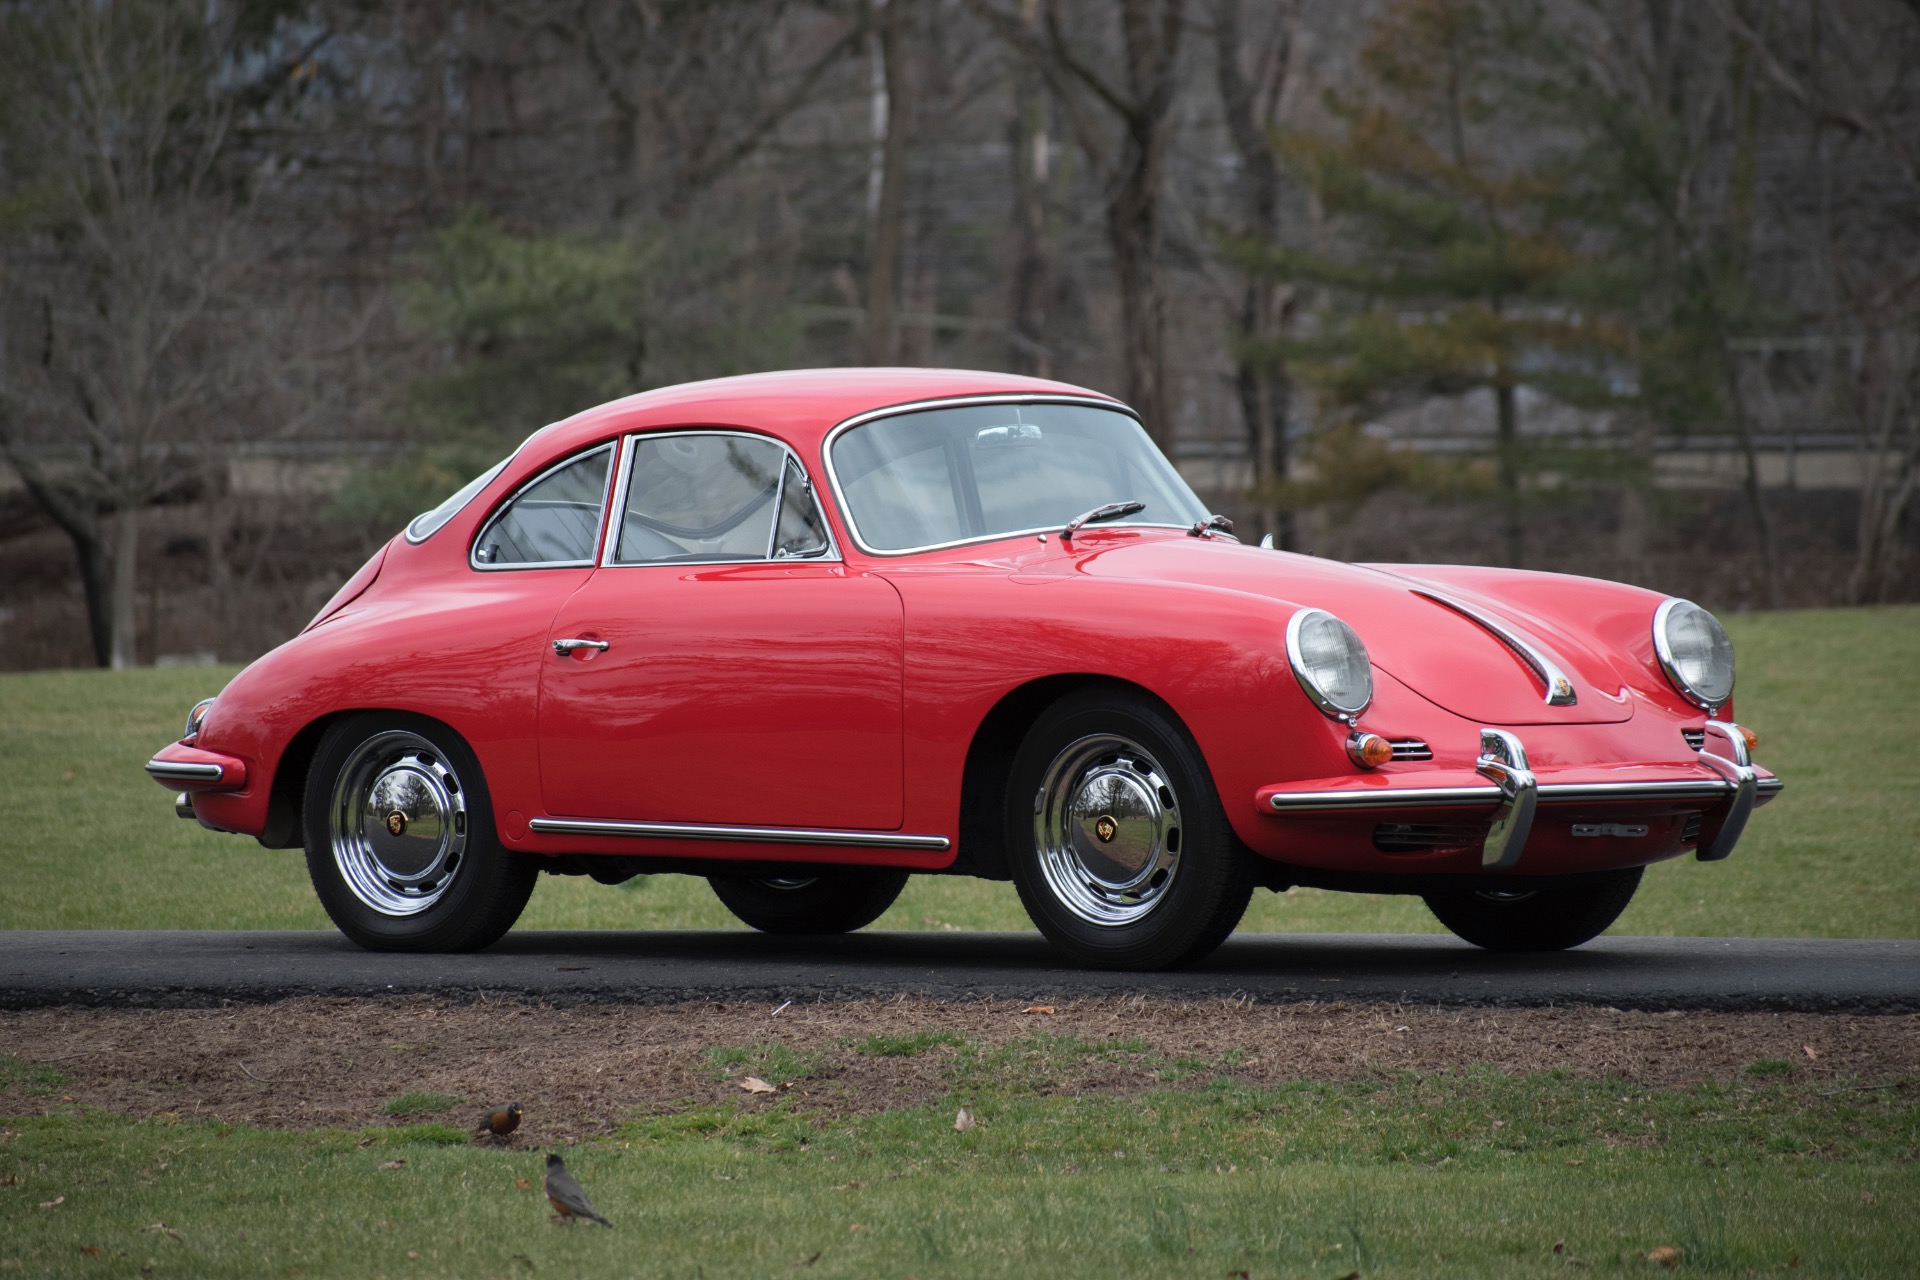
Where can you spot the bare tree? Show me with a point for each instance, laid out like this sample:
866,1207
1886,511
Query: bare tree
1846,69
1251,89
892,111
117,281
1123,126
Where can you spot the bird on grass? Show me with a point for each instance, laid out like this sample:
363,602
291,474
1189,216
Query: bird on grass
564,1194
501,1121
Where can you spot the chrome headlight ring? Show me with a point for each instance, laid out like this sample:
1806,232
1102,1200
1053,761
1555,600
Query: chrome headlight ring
1695,653
195,718
1330,662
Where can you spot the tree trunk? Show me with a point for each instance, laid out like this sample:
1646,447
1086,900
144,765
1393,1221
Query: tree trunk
890,116
1750,482
125,588
1260,375
1507,463
1133,230
1027,333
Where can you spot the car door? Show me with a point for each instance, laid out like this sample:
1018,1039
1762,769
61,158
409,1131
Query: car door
722,666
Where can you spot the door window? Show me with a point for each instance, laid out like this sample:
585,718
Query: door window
711,496
552,522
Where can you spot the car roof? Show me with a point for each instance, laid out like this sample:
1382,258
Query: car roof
800,405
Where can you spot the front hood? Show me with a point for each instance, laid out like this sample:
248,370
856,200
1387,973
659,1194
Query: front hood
1430,646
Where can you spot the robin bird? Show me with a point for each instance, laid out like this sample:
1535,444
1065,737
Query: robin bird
501,1121
566,1197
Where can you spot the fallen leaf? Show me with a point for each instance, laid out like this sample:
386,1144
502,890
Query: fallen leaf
858,1226
413,1253
1576,1162
964,1121
810,1261
91,1250
523,1184
48,1204
163,1229
393,1164
1499,1124
754,1084
1038,1008
1559,1246
1351,1275
852,1184
1403,1029
1808,1050
1666,1255
1866,1197
1794,1261
1239,1275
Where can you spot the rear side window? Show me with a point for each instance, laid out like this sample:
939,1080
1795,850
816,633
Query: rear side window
553,522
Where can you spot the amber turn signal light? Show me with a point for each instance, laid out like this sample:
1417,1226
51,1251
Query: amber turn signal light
1753,739
1369,750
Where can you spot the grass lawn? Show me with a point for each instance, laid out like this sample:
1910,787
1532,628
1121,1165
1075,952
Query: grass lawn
90,842
1471,1174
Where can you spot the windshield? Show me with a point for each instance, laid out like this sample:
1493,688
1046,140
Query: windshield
941,476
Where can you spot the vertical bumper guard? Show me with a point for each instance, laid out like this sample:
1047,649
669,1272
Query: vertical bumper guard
1504,760
1726,753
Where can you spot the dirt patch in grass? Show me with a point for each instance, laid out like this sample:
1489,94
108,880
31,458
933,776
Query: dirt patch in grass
578,1071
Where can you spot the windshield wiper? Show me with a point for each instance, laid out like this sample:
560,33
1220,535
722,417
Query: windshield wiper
1112,511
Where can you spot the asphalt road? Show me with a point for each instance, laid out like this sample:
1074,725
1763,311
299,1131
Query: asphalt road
183,969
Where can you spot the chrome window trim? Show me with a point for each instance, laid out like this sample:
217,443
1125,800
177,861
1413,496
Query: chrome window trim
963,402
492,473
738,834
473,548
610,545
1313,692
1559,690
1664,652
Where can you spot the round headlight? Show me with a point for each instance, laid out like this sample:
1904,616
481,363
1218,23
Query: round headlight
1694,652
1330,662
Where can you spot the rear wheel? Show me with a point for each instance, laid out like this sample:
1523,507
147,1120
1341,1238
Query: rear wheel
1538,919
400,838
1116,838
828,902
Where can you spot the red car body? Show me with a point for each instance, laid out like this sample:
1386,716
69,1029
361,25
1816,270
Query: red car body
859,709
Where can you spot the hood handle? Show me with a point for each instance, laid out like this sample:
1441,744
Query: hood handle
1559,689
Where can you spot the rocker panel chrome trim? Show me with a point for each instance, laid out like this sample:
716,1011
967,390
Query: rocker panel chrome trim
745,835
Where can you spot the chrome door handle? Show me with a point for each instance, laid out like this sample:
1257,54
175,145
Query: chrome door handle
566,647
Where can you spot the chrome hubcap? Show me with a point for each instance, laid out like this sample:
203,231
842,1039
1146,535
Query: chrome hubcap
1106,824
398,823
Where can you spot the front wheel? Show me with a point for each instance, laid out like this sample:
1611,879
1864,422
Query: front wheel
1538,919
400,838
829,902
1116,839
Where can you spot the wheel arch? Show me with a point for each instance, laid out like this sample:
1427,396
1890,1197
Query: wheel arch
286,796
989,762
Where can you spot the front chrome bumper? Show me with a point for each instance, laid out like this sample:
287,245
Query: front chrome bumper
1513,792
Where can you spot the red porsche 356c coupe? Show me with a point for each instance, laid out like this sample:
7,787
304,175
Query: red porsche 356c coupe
807,634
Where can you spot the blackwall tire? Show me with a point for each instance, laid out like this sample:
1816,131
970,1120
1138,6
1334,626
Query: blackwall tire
827,902
1116,839
1541,920
400,839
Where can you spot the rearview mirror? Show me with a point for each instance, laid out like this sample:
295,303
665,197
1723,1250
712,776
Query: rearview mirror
1015,435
